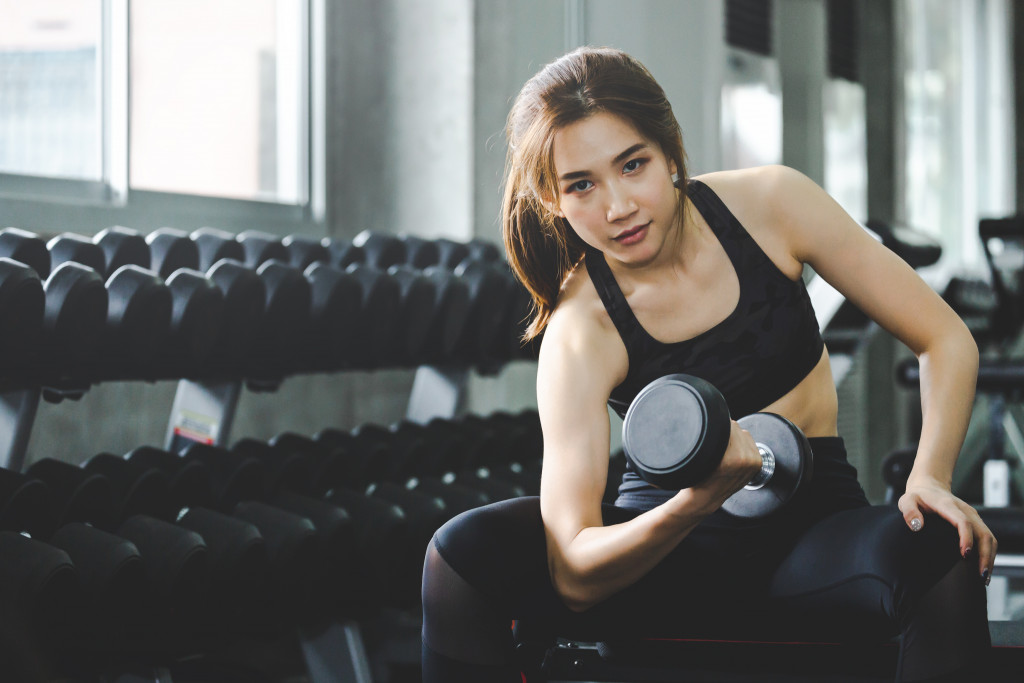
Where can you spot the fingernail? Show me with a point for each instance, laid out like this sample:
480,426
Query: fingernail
967,552
987,576
915,525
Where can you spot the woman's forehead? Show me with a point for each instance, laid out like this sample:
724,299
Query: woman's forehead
595,141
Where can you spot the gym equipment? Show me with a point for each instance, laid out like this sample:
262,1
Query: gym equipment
284,326
418,296
244,296
197,312
488,295
451,314
336,298
170,250
70,247
214,245
22,306
344,253
260,247
138,316
381,250
420,253
305,251
378,321
121,247
677,429
451,253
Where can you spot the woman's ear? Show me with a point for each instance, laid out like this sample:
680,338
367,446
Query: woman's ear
673,171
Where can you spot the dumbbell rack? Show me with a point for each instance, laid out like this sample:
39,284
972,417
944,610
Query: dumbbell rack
204,411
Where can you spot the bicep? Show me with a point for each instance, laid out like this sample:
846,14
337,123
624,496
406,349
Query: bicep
573,385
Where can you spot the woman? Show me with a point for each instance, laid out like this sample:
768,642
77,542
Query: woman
637,271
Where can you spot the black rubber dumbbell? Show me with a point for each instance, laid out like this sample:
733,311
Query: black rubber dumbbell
295,547
245,297
418,313
378,322
305,251
420,253
173,560
284,327
335,308
451,253
197,313
451,315
122,246
676,432
381,250
214,245
344,253
170,250
488,295
260,247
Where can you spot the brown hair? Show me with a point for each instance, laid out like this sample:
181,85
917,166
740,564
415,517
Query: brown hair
542,248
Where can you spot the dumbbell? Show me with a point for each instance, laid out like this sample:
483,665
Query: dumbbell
381,250
214,245
488,294
305,251
336,300
451,314
261,558
170,250
122,246
677,429
260,247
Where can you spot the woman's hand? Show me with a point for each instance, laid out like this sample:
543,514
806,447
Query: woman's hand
975,536
740,464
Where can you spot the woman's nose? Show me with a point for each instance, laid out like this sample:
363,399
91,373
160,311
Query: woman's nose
620,203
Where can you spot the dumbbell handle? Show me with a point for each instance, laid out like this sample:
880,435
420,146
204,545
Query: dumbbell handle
767,468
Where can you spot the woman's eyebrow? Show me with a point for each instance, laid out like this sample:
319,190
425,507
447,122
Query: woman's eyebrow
620,157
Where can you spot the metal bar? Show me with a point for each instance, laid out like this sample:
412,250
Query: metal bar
17,415
336,654
202,413
436,392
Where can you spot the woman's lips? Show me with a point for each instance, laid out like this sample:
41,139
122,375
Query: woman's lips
632,235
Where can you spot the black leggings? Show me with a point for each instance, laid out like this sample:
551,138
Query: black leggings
828,565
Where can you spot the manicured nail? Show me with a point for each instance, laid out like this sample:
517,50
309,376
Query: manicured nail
967,552
915,525
987,576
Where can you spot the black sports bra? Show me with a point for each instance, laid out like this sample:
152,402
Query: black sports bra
761,351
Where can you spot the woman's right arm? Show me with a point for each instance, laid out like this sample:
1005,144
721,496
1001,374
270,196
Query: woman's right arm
579,365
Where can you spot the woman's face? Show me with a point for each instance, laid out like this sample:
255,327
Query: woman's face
615,187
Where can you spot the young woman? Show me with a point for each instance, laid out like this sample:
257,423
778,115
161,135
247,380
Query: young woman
638,271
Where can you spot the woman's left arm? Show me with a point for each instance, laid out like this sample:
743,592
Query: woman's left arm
885,288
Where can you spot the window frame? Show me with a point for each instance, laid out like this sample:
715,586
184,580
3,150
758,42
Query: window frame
42,203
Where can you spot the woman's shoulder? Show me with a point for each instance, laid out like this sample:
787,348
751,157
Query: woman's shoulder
580,325
759,186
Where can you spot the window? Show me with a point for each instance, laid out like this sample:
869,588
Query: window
958,133
50,63
751,115
217,104
121,103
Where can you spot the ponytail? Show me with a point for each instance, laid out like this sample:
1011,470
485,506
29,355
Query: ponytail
542,250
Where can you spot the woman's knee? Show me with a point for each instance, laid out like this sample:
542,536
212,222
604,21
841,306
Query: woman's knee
490,545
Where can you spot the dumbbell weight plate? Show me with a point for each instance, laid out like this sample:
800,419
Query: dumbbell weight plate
793,466
676,431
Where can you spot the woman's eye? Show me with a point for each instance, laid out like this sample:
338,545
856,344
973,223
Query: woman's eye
632,165
580,186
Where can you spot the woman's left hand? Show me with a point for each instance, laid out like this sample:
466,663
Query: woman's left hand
975,536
